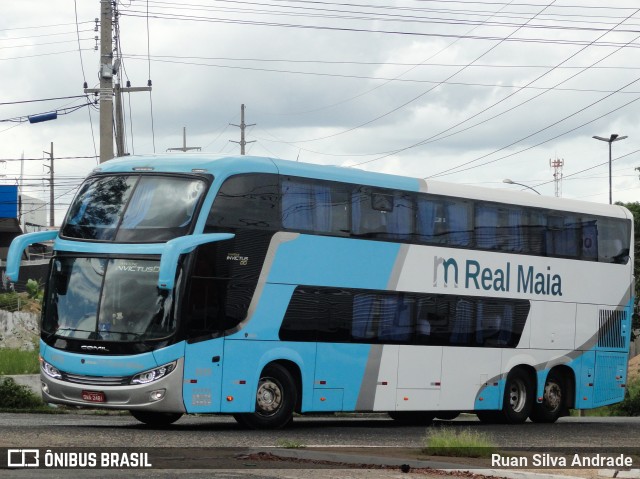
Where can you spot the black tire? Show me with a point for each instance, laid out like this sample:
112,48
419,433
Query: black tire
412,418
553,399
491,417
276,398
153,418
447,415
518,397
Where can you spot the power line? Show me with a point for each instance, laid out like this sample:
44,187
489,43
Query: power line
435,137
193,18
59,111
42,99
324,12
319,61
446,173
43,159
84,76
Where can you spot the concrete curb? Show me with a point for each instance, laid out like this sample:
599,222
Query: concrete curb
345,458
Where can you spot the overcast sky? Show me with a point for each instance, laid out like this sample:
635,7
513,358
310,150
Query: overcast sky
462,91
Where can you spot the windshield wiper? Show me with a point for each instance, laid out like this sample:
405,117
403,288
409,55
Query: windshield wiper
74,330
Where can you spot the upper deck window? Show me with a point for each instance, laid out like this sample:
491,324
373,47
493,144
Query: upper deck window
133,208
269,202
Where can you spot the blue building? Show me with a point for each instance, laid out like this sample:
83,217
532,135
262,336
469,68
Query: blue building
19,214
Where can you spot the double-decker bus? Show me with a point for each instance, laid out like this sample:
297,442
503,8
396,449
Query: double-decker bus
262,288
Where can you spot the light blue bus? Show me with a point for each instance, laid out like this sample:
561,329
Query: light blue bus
263,288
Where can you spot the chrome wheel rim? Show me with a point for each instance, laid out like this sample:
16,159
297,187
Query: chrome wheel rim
517,395
269,397
552,396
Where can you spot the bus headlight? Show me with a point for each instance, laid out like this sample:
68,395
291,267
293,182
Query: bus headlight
153,374
50,370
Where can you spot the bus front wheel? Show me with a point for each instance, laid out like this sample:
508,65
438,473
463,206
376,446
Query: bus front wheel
276,398
156,418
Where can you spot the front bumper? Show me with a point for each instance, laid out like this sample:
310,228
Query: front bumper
130,396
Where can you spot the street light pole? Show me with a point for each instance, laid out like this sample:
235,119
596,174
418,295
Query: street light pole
611,139
511,182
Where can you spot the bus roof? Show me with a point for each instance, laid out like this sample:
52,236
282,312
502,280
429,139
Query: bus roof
223,166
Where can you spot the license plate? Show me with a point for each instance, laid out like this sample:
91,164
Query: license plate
94,396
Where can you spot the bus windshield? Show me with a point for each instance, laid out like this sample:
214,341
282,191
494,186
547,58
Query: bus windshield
133,208
107,299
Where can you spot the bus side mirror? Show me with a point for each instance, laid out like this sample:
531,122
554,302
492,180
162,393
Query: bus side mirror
177,246
19,244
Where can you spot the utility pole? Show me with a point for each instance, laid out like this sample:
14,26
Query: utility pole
117,92
119,123
52,221
21,187
109,68
184,146
242,127
106,81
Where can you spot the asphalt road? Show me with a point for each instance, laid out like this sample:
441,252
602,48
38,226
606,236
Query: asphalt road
367,436
90,430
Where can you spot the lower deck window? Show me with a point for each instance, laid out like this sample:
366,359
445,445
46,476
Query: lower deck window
362,316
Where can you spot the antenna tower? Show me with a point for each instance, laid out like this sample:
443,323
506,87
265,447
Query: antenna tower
557,165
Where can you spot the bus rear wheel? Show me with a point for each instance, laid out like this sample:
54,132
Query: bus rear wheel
153,418
550,409
276,398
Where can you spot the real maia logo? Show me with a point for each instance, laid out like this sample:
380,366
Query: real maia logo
527,279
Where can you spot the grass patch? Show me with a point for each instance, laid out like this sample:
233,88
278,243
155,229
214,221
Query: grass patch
17,361
464,443
17,396
289,444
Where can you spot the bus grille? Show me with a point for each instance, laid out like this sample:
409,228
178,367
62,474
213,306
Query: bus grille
96,380
610,331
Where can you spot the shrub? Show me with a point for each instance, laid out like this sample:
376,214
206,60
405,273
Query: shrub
34,289
630,406
9,301
17,396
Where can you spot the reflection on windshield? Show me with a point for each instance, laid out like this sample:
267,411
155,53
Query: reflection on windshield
133,208
107,299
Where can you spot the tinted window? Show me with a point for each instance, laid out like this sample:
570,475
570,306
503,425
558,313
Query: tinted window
107,299
334,315
501,228
160,209
613,240
133,208
246,201
444,220
97,209
341,209
382,214
319,207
